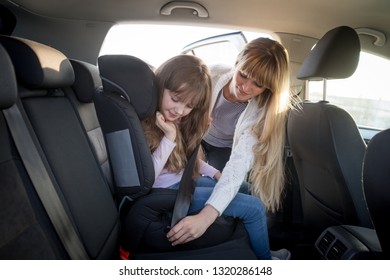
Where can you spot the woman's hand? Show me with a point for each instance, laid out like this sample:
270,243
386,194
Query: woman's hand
192,227
168,127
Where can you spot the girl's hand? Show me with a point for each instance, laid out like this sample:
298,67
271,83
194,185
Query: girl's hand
168,127
217,175
192,227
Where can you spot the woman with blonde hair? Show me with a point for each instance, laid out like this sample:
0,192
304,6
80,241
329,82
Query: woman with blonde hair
260,78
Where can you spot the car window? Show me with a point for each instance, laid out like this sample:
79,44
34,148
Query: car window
222,52
365,95
222,48
157,43
218,49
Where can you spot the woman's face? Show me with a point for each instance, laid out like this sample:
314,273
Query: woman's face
244,88
172,107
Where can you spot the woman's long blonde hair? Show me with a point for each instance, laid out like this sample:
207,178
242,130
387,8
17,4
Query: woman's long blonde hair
267,62
190,79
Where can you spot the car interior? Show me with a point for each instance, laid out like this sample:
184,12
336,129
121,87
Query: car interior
76,173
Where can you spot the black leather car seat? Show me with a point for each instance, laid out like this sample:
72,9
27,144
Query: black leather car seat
376,184
327,147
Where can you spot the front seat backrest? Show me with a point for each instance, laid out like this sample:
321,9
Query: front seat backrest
376,184
326,144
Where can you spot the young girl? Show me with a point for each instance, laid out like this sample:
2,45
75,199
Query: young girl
182,119
261,78
177,129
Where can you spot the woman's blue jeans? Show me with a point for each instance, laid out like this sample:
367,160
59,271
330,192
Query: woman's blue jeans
246,207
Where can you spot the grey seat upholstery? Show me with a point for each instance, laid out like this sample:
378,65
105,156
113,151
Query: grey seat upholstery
43,75
376,184
327,147
86,85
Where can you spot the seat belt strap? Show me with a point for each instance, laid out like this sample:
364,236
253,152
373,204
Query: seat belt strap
43,184
186,190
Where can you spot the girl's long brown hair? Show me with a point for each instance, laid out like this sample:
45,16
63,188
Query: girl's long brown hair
190,79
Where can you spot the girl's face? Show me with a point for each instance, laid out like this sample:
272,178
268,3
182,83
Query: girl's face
172,107
244,88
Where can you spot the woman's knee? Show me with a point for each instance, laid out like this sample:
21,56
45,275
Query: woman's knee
255,205
246,207
259,204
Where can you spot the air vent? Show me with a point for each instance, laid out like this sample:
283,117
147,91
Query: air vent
337,251
325,242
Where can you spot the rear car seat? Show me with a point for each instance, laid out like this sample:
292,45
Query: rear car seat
42,74
25,229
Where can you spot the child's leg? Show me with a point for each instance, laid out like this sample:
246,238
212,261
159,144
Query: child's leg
205,181
247,208
201,182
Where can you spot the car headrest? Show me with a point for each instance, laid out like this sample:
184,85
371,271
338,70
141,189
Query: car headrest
38,66
87,80
8,89
335,56
131,78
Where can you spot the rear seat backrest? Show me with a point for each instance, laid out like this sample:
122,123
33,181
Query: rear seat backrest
42,74
25,230
87,83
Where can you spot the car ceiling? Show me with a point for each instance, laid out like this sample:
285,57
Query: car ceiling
308,18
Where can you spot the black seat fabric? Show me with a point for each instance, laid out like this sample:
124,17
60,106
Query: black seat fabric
8,86
43,73
25,230
129,95
151,215
376,183
87,83
327,147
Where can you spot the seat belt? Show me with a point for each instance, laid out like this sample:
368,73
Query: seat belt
43,184
186,190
